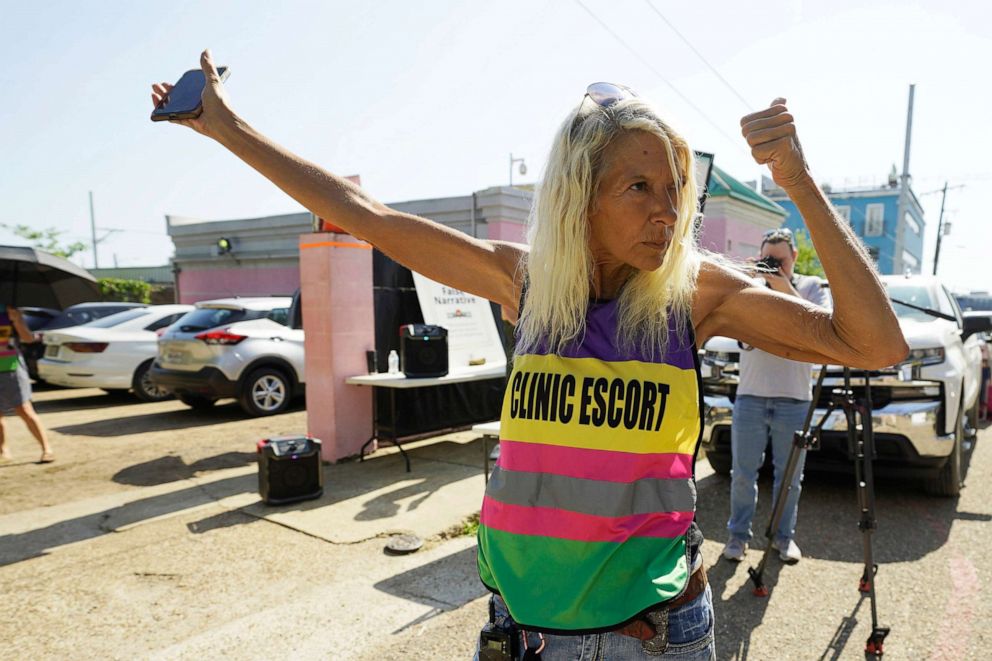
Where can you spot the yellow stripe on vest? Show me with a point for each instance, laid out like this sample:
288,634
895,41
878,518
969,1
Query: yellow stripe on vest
588,403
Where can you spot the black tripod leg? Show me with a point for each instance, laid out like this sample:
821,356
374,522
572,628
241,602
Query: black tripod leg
799,443
864,444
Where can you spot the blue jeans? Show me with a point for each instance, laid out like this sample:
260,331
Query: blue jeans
690,635
756,421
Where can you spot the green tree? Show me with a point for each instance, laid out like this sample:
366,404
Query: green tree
118,289
47,239
808,262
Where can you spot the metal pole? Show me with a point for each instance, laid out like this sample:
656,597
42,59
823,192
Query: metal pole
472,216
940,229
511,169
903,185
96,261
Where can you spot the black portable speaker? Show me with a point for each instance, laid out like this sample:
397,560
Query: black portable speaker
289,469
423,350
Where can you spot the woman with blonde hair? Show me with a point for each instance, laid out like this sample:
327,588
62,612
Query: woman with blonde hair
587,538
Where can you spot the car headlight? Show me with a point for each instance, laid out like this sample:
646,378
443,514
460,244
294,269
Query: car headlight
929,356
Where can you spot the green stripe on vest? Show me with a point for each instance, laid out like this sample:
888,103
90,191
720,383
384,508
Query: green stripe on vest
570,585
8,363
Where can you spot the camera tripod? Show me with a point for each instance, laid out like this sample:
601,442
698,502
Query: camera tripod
861,445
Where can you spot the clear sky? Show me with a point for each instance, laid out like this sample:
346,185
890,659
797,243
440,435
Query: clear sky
428,99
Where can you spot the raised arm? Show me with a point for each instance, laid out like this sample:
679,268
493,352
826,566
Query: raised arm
861,330
486,268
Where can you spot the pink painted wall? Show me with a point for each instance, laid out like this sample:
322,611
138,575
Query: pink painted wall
744,238
336,291
205,284
506,230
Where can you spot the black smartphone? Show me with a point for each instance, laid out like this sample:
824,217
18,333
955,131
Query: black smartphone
183,101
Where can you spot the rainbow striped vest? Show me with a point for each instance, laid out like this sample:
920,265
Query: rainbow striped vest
585,521
8,350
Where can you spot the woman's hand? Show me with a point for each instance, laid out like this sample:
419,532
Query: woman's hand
771,133
217,113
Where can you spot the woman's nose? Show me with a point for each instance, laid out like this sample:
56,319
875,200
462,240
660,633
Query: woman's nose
665,209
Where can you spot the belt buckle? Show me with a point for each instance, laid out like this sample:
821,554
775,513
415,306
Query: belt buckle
657,645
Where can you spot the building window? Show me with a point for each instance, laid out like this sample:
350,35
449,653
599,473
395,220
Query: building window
873,253
874,220
912,224
844,211
910,261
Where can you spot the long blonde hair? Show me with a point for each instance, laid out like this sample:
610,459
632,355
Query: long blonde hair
560,265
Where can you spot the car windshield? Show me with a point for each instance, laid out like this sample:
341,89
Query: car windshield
84,315
117,319
204,318
35,320
914,294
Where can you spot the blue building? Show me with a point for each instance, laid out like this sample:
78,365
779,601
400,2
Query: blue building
897,247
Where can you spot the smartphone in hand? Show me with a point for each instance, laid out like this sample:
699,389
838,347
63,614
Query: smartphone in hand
183,100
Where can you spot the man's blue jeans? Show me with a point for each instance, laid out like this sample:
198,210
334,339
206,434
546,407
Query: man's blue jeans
756,421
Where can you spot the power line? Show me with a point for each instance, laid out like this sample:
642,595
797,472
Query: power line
700,56
645,62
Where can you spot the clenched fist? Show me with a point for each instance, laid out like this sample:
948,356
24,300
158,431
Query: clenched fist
771,133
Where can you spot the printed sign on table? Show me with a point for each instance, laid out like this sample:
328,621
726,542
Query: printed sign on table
472,332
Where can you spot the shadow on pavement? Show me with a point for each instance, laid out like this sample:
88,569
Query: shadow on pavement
78,403
34,543
161,421
342,482
827,526
739,614
172,468
152,422
445,584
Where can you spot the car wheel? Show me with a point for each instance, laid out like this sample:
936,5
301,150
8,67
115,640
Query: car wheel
721,463
949,480
143,386
266,391
197,402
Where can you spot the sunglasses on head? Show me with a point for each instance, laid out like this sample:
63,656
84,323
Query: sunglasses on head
606,94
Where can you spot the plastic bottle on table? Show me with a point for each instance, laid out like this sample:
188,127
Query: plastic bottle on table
394,362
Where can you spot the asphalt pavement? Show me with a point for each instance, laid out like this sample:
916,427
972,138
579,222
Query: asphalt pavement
147,540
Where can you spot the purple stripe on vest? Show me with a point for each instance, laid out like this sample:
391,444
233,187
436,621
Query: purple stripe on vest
601,330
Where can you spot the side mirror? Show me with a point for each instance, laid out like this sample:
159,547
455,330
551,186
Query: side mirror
976,323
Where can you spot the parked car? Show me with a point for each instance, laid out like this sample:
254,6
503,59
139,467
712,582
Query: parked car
74,315
924,410
247,348
112,353
38,318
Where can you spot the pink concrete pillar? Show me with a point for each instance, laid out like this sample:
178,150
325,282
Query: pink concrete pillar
336,291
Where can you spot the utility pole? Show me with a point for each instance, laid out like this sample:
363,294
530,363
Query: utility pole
96,260
903,186
940,223
940,228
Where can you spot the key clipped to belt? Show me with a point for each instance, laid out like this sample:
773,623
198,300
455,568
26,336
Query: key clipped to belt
657,645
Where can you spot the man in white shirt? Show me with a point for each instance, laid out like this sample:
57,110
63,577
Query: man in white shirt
772,399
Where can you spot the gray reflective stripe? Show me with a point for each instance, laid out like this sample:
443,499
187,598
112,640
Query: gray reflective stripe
591,496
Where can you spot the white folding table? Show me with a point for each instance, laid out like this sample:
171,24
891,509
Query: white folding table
394,382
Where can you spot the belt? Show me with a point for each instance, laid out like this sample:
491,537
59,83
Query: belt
643,628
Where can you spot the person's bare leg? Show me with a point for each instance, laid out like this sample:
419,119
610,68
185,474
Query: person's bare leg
31,419
5,454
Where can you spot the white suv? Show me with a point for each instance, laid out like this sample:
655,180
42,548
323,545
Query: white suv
924,410
247,348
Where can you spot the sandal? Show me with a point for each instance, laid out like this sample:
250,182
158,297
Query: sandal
47,458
